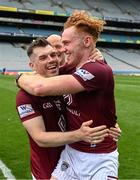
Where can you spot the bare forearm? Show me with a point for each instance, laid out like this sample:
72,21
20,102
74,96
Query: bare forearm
54,139
84,133
58,85
29,82
37,131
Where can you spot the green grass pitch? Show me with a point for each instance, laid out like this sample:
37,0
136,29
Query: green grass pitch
14,149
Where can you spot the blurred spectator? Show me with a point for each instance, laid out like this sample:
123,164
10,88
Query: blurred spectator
4,70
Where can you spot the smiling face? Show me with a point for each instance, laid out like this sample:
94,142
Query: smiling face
73,46
44,61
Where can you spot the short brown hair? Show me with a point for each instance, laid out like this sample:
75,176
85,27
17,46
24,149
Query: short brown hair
39,42
85,23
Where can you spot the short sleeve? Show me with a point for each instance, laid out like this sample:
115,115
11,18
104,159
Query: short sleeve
92,76
26,107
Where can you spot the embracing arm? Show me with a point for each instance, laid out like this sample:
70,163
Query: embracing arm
58,85
36,129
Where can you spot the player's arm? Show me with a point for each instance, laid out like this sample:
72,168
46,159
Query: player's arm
36,129
58,85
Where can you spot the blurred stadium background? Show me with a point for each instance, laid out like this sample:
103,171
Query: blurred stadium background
21,21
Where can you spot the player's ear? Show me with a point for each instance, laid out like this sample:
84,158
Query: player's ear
87,41
31,65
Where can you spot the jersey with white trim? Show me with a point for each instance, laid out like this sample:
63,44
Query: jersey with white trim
43,160
96,103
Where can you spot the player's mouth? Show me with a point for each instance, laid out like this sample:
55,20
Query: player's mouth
52,67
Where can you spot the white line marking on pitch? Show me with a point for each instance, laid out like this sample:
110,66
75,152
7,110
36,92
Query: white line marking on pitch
6,172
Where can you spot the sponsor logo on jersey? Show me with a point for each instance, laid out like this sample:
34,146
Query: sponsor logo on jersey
74,112
47,105
84,74
25,110
62,123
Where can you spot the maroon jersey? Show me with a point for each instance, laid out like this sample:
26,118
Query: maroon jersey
96,103
66,69
43,160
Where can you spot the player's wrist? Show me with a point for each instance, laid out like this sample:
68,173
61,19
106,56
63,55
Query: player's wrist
78,135
17,79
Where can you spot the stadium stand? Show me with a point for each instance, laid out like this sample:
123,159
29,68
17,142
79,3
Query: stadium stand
42,32
9,29
23,20
13,57
111,8
122,61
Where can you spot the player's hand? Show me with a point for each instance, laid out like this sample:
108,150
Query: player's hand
93,135
96,55
115,132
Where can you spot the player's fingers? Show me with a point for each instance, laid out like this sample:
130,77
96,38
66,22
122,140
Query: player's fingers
114,132
116,139
99,136
115,129
87,123
99,132
99,128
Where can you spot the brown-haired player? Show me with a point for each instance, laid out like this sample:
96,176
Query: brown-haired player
89,94
44,117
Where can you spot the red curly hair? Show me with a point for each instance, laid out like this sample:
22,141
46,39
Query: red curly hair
85,23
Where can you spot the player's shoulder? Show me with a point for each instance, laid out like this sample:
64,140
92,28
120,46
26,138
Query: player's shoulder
96,65
96,68
93,65
21,92
95,62
23,96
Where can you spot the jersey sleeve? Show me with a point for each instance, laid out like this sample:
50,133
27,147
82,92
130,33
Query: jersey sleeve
26,107
92,76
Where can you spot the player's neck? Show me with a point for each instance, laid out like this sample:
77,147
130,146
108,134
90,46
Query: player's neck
84,58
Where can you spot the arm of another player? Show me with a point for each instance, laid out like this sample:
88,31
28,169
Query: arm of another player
36,129
58,85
